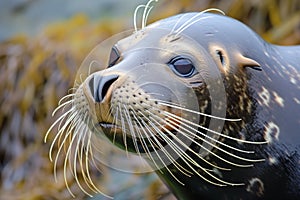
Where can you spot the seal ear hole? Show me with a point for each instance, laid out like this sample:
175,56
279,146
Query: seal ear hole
221,57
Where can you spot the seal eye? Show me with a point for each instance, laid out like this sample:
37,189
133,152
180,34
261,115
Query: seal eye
114,57
182,67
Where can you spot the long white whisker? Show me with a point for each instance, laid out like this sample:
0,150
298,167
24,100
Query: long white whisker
217,133
178,21
189,25
147,16
87,166
161,102
195,163
132,130
115,122
191,139
89,180
189,22
62,105
54,124
123,130
177,118
68,154
79,139
172,160
66,97
228,153
58,135
71,127
171,143
144,145
165,152
147,10
135,17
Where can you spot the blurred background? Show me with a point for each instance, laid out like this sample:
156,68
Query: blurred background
42,44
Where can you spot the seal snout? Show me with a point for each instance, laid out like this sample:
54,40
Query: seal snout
99,86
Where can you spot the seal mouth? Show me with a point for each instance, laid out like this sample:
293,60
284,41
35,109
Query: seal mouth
107,125
118,133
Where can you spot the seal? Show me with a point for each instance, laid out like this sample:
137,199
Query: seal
212,107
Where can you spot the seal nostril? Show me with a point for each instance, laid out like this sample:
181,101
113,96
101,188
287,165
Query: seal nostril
107,85
99,86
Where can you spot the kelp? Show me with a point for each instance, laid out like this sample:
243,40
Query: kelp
35,72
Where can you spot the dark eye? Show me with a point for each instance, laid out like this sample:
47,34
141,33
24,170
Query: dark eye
114,57
182,66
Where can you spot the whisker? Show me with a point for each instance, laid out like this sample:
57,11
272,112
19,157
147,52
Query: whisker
189,25
79,138
177,118
54,124
81,79
147,15
66,97
173,161
65,166
62,105
123,130
145,146
191,139
132,131
135,17
220,134
107,114
155,94
161,102
165,152
91,64
57,136
232,163
178,21
115,122
189,159
71,127
72,124
147,10
151,143
89,180
171,143
189,22
82,142
72,90
87,164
